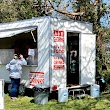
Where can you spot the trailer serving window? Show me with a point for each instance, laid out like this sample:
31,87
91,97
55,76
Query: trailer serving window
19,41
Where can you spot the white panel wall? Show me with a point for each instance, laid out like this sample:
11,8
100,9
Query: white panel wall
59,76
44,36
71,25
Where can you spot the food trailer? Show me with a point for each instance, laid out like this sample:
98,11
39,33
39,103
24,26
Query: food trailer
60,53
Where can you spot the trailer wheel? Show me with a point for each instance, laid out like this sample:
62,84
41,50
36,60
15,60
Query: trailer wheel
22,90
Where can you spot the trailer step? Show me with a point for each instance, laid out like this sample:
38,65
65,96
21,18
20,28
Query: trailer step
79,96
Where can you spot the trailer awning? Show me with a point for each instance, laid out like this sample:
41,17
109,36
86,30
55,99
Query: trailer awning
15,31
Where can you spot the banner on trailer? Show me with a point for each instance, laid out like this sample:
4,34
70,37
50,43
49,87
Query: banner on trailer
36,78
1,94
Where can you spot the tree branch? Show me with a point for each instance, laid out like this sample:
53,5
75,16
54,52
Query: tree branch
66,12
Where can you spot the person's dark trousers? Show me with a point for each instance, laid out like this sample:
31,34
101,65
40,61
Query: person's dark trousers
15,85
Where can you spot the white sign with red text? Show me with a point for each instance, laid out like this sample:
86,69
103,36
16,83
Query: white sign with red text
58,63
58,50
36,78
58,36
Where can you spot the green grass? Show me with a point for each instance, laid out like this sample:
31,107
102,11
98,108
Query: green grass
26,103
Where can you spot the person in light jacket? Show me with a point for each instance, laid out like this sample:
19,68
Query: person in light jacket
15,69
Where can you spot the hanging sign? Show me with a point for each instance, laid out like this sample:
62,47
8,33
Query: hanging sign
31,52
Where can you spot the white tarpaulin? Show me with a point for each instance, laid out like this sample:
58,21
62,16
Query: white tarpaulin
13,28
12,32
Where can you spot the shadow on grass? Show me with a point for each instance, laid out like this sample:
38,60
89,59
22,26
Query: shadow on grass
51,96
28,92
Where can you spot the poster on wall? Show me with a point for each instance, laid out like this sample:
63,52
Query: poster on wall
58,63
1,94
58,36
36,78
58,50
32,58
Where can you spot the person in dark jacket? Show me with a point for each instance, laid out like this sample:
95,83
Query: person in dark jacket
15,69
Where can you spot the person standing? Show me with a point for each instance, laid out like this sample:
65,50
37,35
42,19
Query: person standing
15,69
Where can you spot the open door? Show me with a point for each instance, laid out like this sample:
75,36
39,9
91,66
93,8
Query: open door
72,58
88,55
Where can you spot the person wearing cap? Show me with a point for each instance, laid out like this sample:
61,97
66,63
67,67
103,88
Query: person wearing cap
15,69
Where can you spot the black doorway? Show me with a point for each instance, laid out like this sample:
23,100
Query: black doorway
72,58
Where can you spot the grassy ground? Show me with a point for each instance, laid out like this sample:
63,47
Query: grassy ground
26,103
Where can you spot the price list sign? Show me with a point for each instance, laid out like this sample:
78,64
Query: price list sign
58,50
1,94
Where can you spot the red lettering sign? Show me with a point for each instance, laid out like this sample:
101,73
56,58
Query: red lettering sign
58,63
58,39
37,81
58,49
58,67
58,36
58,33
36,78
58,60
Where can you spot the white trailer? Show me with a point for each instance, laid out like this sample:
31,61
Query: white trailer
59,52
